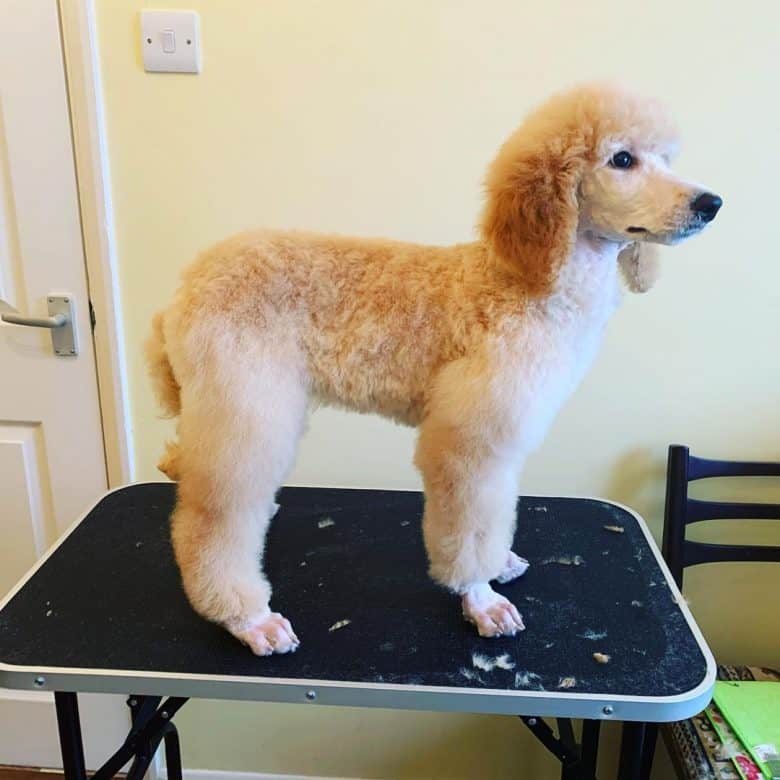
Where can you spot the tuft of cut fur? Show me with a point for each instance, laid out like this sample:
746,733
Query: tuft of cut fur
640,266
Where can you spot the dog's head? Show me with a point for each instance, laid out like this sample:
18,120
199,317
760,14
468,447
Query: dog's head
595,159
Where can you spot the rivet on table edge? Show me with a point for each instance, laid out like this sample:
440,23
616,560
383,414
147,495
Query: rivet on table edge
39,682
608,710
164,715
311,695
531,721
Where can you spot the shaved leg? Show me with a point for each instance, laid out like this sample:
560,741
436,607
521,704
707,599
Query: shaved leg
470,499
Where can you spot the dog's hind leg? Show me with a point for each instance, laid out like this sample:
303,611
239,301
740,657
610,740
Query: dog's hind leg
243,410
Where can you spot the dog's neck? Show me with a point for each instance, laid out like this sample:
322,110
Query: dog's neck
590,277
589,241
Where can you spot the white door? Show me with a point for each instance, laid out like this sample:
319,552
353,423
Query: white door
52,463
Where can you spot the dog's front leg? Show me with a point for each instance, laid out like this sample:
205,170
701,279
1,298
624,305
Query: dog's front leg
470,500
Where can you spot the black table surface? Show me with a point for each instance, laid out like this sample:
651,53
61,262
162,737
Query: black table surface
106,612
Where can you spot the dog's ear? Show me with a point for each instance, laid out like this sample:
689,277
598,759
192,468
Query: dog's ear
640,266
530,217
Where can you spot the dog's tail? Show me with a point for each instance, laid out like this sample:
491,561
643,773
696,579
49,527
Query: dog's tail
166,389
164,383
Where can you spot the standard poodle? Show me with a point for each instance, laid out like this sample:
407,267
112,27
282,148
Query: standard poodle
476,344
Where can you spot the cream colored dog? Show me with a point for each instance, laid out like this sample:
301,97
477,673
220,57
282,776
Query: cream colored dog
476,344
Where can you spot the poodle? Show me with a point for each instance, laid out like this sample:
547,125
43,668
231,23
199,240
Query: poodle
477,344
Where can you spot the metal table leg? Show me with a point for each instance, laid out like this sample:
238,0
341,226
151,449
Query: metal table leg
590,745
648,752
150,727
631,750
575,761
172,753
71,744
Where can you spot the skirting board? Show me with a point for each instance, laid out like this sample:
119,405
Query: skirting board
213,774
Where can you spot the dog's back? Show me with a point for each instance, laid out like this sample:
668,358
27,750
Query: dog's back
373,318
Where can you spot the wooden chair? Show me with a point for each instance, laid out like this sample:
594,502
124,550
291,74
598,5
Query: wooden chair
694,748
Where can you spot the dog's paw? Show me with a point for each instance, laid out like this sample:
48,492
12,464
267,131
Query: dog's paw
514,567
490,612
269,634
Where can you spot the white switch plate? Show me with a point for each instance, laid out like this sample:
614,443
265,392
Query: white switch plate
162,31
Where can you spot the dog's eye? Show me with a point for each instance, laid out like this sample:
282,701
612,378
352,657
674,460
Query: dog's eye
622,160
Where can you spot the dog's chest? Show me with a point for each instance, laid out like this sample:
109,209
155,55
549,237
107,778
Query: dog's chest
558,345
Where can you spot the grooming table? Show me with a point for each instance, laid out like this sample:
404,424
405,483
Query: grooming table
104,612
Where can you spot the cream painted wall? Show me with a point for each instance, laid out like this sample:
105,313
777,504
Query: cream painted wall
378,117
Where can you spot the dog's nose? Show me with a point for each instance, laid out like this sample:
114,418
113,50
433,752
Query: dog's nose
706,205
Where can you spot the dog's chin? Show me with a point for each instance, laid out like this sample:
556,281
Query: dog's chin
678,236
666,237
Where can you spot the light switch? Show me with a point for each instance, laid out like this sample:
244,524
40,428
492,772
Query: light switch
170,41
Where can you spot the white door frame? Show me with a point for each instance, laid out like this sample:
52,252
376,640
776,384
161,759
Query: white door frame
85,96
82,70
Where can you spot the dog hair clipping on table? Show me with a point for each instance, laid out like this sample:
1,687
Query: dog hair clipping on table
525,679
566,560
326,522
488,664
593,635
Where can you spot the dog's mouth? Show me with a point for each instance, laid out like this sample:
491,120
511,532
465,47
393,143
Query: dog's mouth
671,236
687,232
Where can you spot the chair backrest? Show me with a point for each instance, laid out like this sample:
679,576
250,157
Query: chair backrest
682,511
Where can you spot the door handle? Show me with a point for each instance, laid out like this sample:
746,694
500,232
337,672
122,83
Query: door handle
55,321
61,322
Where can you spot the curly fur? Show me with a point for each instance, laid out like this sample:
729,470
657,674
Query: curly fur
477,344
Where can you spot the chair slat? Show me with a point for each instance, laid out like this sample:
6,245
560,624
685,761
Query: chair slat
727,510
703,468
695,553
